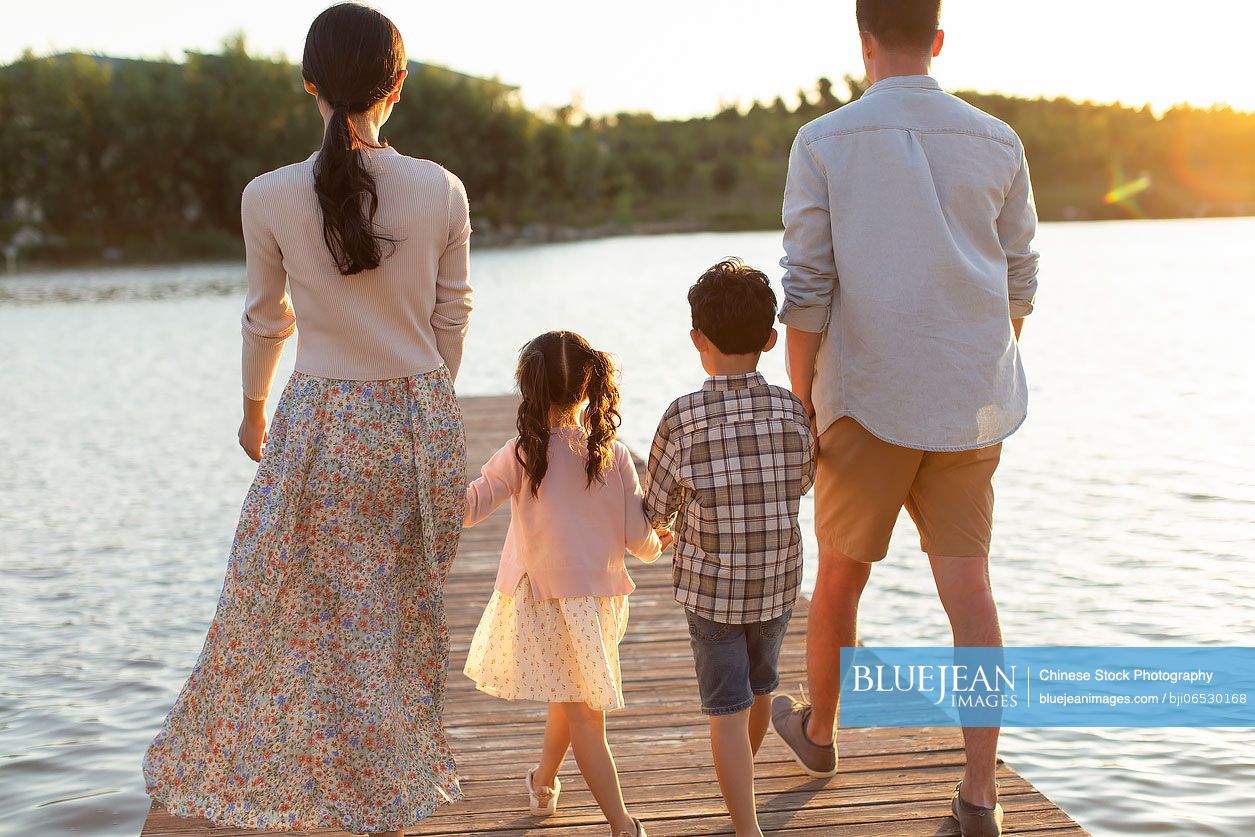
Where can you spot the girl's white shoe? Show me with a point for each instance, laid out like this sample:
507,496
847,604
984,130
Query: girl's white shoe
542,802
640,830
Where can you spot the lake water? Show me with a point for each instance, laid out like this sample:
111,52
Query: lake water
1126,505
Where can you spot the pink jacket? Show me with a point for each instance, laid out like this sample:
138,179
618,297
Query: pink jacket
570,539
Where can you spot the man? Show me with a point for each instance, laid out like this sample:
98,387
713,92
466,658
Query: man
909,220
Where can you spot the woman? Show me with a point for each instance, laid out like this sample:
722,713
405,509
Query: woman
317,698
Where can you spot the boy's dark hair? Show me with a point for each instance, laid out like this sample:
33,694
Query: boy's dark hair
734,306
906,24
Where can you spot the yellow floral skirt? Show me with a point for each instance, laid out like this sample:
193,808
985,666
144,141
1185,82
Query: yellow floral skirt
554,650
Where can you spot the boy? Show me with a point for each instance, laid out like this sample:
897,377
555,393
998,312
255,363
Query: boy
727,470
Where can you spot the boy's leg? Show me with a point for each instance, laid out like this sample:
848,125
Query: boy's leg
721,661
553,752
734,765
763,641
592,754
760,718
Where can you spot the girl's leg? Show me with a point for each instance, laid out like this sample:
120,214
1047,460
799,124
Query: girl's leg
553,753
592,754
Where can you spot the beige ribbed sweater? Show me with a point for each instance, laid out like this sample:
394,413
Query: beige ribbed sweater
406,317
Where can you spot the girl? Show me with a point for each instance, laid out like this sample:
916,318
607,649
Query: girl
317,699
552,628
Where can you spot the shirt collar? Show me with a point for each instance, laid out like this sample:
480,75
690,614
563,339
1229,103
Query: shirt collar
733,382
919,82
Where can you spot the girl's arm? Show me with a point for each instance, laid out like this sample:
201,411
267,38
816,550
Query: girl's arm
499,480
642,541
665,493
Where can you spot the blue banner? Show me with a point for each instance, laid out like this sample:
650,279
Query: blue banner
1048,686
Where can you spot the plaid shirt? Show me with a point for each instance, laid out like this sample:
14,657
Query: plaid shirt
730,463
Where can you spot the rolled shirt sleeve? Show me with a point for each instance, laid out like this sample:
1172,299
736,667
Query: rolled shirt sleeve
810,269
451,316
268,316
1017,225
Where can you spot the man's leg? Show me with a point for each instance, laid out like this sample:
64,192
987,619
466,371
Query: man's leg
831,624
965,591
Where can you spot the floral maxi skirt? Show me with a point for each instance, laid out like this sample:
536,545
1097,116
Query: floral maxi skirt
317,699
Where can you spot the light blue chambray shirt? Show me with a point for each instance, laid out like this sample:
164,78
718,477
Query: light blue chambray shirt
909,222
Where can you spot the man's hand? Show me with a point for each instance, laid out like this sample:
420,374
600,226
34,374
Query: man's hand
666,537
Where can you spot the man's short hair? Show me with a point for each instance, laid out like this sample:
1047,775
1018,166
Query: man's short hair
900,24
734,306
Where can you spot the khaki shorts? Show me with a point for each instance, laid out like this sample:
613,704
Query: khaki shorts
863,482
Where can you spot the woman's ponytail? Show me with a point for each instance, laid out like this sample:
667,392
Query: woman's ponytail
346,193
354,57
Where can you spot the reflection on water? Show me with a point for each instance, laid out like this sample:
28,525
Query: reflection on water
1125,505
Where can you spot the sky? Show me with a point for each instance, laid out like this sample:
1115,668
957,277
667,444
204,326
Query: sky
687,57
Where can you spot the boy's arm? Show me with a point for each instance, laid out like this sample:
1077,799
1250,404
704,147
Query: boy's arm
499,479
1017,224
810,447
662,491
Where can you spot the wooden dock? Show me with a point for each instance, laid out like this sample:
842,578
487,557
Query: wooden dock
891,781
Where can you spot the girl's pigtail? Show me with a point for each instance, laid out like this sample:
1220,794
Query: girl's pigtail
601,417
532,451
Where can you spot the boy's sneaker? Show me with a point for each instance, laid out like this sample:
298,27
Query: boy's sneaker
974,820
788,718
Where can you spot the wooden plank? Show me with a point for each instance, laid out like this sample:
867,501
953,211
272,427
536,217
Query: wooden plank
891,782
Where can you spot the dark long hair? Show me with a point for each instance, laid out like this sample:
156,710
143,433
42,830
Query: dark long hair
354,56
559,369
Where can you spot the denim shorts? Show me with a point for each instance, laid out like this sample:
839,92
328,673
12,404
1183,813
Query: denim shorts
735,663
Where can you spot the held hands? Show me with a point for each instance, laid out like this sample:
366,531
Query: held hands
666,537
809,406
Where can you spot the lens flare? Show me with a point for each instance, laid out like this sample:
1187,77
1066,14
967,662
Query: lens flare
1124,191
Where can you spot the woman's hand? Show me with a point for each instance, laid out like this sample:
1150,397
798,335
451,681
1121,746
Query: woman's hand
253,429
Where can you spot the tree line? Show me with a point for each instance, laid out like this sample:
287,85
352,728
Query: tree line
138,159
